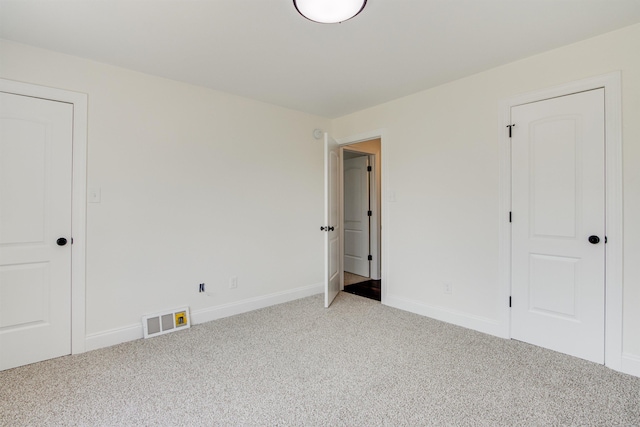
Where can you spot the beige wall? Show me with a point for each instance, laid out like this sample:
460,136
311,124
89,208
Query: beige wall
197,186
441,149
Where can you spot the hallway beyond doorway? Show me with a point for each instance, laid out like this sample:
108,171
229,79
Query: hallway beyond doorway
362,286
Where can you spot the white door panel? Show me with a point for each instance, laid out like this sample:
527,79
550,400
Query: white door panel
35,210
557,203
553,285
332,222
356,219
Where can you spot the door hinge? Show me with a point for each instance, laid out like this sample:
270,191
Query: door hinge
369,213
510,126
370,258
605,240
509,216
368,168
509,301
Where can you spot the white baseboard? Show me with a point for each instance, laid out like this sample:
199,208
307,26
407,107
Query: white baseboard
113,337
630,364
134,332
477,323
239,307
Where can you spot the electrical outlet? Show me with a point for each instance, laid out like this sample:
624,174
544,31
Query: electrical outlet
233,282
447,287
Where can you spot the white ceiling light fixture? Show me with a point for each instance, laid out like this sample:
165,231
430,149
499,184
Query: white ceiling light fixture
329,11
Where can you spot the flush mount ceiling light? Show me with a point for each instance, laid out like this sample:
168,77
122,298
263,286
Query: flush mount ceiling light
329,11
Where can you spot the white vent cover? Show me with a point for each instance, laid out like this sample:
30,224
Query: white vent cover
165,322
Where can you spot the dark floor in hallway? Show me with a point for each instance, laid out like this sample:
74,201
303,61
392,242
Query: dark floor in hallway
368,289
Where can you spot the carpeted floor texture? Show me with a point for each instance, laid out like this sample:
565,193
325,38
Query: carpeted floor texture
357,363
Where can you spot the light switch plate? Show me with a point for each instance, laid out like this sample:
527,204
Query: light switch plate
94,195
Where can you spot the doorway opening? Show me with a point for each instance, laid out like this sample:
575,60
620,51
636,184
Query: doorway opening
361,218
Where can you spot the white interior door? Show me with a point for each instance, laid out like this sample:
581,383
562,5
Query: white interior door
35,211
331,226
356,217
558,225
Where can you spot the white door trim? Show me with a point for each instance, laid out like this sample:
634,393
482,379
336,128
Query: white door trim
374,228
384,266
368,220
613,206
79,196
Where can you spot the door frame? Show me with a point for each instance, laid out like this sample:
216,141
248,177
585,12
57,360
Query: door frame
78,197
611,83
380,219
374,224
373,232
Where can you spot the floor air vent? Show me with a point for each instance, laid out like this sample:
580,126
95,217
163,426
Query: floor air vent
163,323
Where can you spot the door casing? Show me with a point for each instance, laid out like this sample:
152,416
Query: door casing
380,219
78,195
363,194
613,203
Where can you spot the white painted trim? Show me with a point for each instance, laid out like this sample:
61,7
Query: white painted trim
630,364
614,208
79,197
384,266
477,323
135,331
340,211
374,227
239,307
114,337
361,137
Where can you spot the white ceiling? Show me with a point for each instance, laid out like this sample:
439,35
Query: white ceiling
262,49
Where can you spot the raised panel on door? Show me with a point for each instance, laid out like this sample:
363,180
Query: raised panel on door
557,203
552,285
554,168
35,210
24,306
22,208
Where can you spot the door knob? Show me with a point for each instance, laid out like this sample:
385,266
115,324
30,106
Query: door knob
331,228
594,240
61,241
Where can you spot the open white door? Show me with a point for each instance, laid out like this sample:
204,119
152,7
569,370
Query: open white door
331,226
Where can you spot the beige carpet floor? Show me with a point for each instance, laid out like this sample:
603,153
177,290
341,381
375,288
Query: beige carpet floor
358,363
